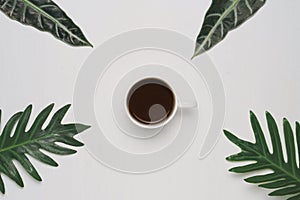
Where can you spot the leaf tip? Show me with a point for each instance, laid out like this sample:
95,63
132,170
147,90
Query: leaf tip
231,170
39,179
194,56
228,158
227,133
87,127
269,116
20,182
64,109
81,127
36,176
232,138
51,162
51,105
67,106
69,152
251,113
87,43
90,45
272,194
80,144
55,164
286,122
198,51
3,191
29,107
248,180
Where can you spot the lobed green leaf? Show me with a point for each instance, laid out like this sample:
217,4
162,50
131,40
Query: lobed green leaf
285,178
16,143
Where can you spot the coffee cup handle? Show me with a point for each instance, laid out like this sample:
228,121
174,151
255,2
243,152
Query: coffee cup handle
187,105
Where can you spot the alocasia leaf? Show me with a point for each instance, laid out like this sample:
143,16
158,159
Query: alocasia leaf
46,16
222,17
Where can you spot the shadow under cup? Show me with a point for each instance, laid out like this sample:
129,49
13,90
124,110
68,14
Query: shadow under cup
150,103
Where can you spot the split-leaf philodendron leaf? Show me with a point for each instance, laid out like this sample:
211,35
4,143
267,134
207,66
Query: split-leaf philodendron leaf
46,16
222,17
285,176
18,141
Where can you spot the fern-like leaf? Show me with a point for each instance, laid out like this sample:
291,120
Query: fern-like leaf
285,178
17,143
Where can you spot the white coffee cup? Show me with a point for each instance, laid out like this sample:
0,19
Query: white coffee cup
176,104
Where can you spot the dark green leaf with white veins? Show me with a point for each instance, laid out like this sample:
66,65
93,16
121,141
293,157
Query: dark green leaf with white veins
46,16
18,141
222,17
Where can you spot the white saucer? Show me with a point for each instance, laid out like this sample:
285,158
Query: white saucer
101,88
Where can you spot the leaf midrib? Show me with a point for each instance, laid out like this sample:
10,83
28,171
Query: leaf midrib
33,6
45,136
277,166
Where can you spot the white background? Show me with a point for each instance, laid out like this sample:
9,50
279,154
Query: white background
258,64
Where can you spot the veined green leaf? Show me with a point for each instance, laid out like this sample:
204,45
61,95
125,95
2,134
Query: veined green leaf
47,16
285,178
20,143
222,17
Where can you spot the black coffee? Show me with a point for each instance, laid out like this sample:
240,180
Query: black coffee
150,101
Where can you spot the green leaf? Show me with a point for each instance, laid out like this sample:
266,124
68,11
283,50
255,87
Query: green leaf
259,135
46,16
285,178
222,17
16,144
264,178
276,142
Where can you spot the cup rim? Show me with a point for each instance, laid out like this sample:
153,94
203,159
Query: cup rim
155,125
